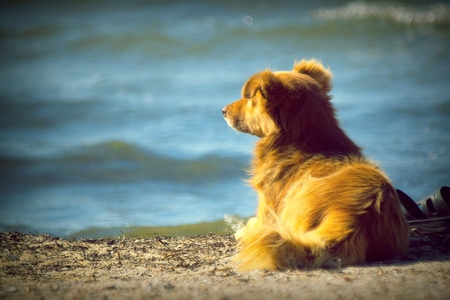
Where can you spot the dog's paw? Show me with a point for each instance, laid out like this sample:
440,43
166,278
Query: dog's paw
251,223
239,234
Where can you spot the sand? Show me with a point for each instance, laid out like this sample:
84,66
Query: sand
201,267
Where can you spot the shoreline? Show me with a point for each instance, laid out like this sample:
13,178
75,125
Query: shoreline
201,267
220,227
223,226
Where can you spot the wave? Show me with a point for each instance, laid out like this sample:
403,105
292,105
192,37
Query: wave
161,30
399,13
118,162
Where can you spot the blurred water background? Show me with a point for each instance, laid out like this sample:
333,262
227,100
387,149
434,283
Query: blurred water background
110,111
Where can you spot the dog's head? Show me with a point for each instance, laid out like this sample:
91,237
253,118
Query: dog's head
286,102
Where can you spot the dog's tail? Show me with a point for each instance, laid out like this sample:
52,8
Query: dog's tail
272,248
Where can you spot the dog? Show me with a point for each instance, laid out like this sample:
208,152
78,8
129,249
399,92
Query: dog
321,203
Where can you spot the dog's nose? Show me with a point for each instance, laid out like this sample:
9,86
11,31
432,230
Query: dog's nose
224,111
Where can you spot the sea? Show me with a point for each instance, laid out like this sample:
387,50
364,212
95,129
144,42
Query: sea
110,111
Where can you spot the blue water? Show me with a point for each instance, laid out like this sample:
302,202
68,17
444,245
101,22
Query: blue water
111,110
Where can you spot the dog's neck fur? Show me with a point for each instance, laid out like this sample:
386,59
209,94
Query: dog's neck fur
278,150
330,141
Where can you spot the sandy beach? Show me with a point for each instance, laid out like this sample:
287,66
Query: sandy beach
201,267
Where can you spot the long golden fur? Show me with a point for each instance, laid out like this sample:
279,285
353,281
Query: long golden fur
320,200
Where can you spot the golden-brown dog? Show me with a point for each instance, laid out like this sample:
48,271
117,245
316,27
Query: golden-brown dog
320,201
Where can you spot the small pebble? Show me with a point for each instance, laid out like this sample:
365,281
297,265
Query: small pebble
11,289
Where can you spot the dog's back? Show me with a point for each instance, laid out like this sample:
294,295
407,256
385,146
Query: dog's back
349,214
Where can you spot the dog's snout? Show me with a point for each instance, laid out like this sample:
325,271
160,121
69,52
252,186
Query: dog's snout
224,111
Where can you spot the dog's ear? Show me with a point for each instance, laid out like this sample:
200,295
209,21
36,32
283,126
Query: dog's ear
316,71
271,88
275,93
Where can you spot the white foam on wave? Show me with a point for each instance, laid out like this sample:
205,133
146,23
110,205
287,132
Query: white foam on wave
395,12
